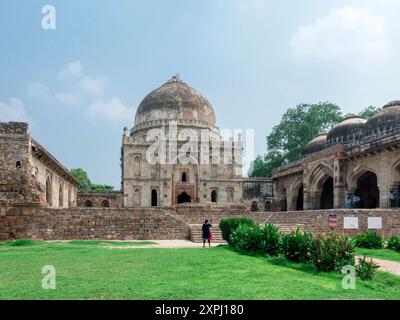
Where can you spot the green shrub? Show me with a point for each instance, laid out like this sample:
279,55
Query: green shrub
19,243
332,252
369,240
296,246
366,268
270,239
394,243
228,225
248,238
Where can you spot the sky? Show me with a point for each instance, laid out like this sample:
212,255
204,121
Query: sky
79,84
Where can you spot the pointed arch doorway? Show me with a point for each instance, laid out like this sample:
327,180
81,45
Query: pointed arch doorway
184,198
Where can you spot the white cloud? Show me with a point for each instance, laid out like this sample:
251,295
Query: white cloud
37,90
94,85
72,69
13,110
110,110
69,99
351,34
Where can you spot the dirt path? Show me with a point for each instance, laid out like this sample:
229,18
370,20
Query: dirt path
387,265
168,244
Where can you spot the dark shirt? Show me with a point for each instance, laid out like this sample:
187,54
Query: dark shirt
206,230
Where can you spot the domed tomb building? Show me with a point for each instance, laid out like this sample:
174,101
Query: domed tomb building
174,153
356,158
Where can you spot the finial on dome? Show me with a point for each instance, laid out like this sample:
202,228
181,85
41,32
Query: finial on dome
175,78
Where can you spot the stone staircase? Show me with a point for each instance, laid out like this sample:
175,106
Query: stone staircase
196,234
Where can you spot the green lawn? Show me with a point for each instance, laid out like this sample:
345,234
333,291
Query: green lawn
386,254
95,272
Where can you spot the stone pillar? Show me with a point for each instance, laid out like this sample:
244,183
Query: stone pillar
306,199
339,197
291,202
383,182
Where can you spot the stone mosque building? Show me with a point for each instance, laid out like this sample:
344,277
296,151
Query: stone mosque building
208,169
356,157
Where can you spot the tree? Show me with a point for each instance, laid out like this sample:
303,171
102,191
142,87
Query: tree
82,176
369,112
298,126
85,184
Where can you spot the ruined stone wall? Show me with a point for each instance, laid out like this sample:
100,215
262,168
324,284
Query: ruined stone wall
171,223
90,223
101,199
16,184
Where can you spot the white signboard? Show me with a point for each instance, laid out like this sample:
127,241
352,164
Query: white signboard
350,222
374,222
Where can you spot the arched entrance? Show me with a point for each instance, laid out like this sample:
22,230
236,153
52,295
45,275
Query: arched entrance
184,177
283,201
300,199
327,194
105,204
368,191
254,206
48,192
61,196
88,204
214,196
184,198
154,200
69,198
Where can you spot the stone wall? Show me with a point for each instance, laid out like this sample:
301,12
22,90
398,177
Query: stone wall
90,223
169,223
317,221
16,185
112,199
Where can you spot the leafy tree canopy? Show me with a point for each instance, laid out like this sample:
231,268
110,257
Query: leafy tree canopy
85,184
369,112
298,126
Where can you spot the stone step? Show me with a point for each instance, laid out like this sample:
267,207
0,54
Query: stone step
196,234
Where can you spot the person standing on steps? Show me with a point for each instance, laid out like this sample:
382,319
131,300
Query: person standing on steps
206,230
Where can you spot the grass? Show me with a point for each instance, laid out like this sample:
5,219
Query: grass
110,243
95,272
25,242
386,254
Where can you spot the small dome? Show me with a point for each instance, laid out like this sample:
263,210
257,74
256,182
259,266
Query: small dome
349,129
175,100
316,144
385,120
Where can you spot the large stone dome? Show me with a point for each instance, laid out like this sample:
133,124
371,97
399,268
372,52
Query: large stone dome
349,129
175,100
316,144
388,119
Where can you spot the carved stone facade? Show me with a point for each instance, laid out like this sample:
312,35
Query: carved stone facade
174,153
356,158
29,174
